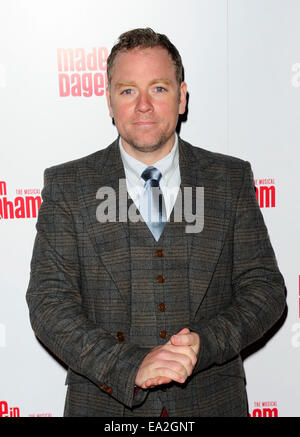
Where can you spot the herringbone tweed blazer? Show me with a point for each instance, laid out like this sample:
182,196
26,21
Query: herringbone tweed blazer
79,294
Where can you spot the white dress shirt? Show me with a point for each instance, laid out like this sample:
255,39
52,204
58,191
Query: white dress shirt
169,183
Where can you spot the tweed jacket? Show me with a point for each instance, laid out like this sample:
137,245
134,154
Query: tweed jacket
79,289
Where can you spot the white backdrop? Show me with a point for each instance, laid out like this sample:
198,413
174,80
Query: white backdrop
242,67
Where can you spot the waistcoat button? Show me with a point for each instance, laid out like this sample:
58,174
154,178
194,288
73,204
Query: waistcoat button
161,278
120,336
162,307
163,334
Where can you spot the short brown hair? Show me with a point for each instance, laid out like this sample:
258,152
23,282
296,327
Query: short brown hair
144,38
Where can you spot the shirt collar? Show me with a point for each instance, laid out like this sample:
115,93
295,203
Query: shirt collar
165,165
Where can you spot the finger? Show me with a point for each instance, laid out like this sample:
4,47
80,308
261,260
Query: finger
184,355
179,363
185,350
168,373
191,340
152,382
183,331
184,339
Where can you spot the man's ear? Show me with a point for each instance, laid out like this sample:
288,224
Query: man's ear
182,98
108,100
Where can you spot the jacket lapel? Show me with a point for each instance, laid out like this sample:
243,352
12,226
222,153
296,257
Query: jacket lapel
110,238
199,170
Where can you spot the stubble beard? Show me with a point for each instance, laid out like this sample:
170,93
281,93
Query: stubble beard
148,148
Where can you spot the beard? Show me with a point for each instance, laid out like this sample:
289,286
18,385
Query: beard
157,144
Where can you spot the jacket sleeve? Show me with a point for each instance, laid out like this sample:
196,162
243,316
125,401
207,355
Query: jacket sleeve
54,300
258,291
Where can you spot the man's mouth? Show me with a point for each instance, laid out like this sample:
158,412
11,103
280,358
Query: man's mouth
144,123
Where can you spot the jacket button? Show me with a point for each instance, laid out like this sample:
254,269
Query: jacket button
160,253
161,278
120,336
162,307
163,334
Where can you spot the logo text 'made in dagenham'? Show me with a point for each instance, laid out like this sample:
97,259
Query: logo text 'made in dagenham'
265,192
25,205
82,72
6,411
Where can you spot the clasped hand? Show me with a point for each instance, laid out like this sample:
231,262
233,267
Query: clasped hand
173,361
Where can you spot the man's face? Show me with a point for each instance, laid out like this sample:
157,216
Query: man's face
145,99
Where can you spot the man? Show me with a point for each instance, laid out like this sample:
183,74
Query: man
149,318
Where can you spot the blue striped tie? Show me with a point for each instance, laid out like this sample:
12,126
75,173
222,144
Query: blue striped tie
152,205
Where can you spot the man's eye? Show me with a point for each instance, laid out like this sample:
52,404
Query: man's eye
127,91
160,89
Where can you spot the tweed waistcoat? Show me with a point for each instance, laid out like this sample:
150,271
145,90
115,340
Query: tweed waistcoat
159,283
160,305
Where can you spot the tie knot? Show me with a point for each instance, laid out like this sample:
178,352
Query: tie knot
151,173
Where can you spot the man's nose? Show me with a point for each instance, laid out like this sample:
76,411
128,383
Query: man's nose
144,103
